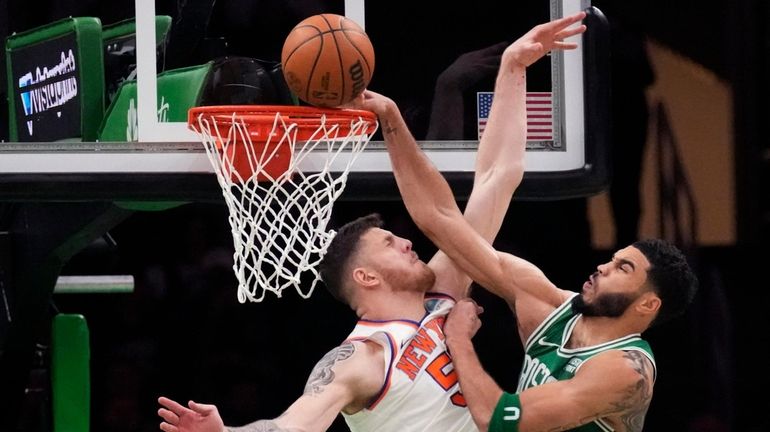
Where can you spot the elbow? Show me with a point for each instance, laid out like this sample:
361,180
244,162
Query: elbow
431,219
512,175
507,177
423,216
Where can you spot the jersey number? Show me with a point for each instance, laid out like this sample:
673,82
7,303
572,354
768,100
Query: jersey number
446,380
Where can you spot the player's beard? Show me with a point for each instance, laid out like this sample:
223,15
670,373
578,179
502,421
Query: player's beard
611,305
420,281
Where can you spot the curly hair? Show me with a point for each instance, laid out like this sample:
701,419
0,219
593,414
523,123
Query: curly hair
671,276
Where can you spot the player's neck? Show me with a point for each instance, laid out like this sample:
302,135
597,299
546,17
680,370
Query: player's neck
591,331
401,305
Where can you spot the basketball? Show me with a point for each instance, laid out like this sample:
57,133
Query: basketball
327,60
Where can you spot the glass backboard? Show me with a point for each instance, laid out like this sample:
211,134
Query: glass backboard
415,42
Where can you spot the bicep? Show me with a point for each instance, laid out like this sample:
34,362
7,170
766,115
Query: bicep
617,387
344,376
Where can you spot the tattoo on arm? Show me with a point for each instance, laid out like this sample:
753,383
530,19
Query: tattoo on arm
634,404
388,129
259,426
322,373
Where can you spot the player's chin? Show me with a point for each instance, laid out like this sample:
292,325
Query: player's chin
427,278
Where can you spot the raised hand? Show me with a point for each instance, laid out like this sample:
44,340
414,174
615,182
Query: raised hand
543,38
196,418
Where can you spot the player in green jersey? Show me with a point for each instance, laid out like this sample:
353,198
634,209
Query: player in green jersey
586,366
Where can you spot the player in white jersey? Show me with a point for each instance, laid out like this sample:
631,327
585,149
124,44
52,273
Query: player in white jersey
393,374
421,391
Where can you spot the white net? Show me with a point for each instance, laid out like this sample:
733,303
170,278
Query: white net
278,217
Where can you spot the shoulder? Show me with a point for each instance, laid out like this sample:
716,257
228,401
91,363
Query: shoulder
622,367
537,314
357,366
625,379
353,357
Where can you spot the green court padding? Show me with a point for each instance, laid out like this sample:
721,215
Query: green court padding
70,373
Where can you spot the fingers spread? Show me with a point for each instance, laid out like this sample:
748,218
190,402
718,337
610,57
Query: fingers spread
564,45
168,416
172,405
165,427
570,32
201,408
567,20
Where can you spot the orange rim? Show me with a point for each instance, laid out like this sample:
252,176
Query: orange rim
307,118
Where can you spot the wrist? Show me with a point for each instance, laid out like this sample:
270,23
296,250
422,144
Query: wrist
387,111
459,342
506,414
513,61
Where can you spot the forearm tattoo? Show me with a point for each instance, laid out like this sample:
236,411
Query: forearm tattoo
258,426
388,129
637,399
322,373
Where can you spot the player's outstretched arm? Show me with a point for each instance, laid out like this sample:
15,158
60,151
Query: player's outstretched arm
615,386
347,377
500,160
426,193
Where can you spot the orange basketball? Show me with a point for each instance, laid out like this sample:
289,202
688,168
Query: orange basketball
327,60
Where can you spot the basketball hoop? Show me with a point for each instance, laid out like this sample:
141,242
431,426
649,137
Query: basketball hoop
281,168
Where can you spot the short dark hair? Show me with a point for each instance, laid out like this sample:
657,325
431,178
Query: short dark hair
670,275
334,265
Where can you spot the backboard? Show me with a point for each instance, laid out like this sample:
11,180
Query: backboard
160,159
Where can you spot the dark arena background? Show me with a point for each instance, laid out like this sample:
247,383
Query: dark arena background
690,162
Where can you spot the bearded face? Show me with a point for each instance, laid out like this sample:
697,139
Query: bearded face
611,290
394,260
417,277
610,305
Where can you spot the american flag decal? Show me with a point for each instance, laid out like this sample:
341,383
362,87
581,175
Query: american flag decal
539,114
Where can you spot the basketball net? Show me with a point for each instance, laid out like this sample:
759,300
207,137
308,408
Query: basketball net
278,209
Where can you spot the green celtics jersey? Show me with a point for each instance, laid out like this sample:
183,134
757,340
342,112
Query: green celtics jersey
547,359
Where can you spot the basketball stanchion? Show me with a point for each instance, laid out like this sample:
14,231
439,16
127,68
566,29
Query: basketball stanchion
278,207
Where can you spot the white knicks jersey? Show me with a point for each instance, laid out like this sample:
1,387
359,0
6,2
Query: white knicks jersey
421,391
